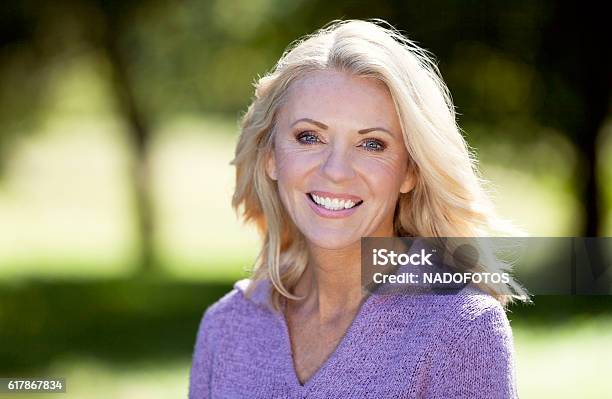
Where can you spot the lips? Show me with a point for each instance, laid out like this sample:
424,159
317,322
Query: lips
326,213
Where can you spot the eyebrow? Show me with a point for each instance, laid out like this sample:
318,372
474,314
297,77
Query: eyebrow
325,127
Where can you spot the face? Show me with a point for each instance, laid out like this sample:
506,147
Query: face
338,137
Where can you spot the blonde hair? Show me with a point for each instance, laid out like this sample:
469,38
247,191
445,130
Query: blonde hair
449,198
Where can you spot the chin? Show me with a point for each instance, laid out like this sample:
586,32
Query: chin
329,241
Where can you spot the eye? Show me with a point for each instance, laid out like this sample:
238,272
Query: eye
307,137
374,145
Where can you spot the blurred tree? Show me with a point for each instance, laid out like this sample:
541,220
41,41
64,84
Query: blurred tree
22,73
117,17
48,32
578,84
574,62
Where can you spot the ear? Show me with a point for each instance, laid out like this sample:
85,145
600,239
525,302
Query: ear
409,181
271,165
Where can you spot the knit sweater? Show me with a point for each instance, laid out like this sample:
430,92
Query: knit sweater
398,346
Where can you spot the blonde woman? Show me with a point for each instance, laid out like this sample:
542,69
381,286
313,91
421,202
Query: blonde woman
351,135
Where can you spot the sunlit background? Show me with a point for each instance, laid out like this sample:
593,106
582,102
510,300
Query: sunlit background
119,120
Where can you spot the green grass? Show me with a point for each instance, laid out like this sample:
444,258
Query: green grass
570,360
91,378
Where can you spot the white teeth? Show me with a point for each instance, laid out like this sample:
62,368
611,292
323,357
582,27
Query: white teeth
333,204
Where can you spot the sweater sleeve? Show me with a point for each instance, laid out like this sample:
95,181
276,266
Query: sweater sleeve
202,361
478,362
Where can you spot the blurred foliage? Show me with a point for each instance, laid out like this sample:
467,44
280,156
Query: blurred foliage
194,56
117,320
518,72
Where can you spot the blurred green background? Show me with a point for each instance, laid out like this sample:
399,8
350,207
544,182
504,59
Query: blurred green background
117,124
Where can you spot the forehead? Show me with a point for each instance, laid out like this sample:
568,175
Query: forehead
337,96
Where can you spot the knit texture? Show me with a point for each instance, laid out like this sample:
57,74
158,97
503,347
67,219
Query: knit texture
398,346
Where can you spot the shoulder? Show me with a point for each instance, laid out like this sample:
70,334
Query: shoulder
216,326
475,332
473,313
231,308
451,318
463,307
474,349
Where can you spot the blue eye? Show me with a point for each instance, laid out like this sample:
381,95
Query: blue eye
377,145
307,137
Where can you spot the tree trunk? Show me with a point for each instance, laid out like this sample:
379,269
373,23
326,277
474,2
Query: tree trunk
139,133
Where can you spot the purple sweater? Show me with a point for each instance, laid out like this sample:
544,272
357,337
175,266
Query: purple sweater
398,346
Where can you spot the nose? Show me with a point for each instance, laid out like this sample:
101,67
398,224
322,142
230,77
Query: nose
337,165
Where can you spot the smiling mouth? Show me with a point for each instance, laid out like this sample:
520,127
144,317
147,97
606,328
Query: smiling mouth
335,205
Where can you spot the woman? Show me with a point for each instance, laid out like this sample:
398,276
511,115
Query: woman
352,135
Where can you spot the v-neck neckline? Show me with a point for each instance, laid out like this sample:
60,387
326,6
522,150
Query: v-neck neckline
288,350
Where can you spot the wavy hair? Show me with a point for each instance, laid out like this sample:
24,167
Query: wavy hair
450,198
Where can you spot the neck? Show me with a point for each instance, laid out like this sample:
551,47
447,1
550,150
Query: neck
331,283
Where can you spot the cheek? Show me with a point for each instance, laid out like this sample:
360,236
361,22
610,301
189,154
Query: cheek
293,162
293,165
384,174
